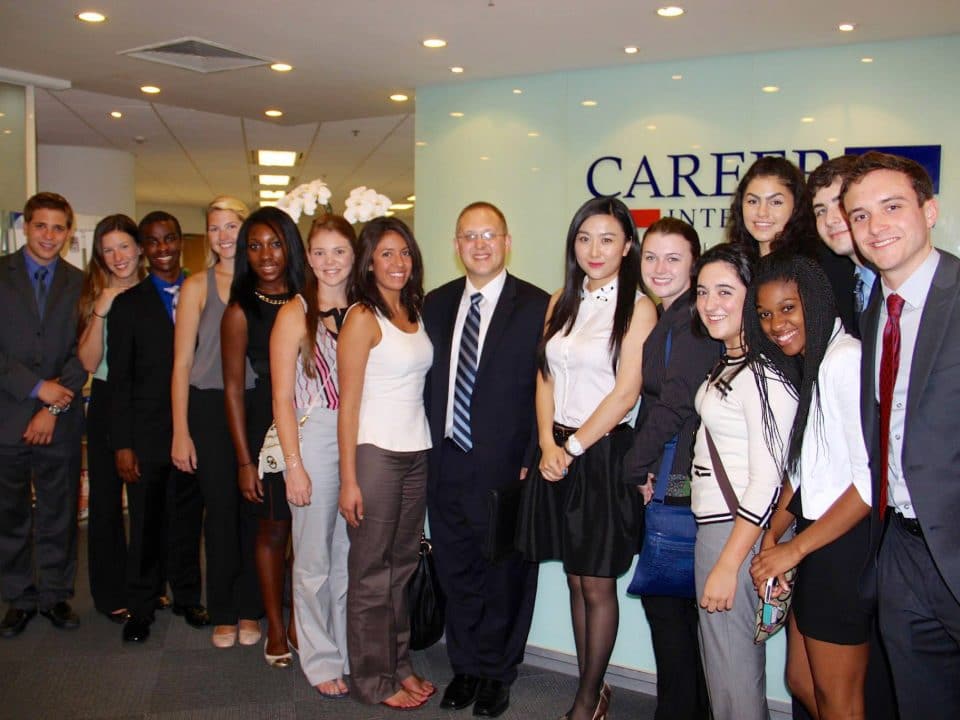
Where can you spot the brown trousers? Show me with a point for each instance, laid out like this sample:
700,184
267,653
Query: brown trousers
383,556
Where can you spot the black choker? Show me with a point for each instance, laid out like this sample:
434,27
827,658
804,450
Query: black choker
338,315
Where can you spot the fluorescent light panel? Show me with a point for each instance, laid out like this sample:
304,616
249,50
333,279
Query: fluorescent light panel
271,194
277,158
274,179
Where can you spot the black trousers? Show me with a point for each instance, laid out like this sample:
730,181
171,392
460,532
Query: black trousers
106,537
38,547
166,513
230,530
489,605
681,688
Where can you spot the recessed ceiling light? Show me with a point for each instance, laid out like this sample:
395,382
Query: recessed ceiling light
412,198
149,89
421,143
401,206
3,114
589,103
399,97
517,91
806,119
533,133
770,88
91,16
116,114
670,11
274,179
631,49
651,127
281,67
273,113
484,157
676,77
277,158
866,59
271,194
8,132
456,69
434,43
846,27
456,114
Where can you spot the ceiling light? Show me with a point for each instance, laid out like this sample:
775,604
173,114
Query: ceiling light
273,113
484,157
268,203
8,132
277,158
274,179
434,43
589,103
389,213
631,49
149,89
676,77
866,59
770,88
401,206
91,16
651,127
3,114
421,143
806,119
412,198
281,67
517,91
116,114
399,97
670,11
456,69
846,27
456,114
533,133
271,194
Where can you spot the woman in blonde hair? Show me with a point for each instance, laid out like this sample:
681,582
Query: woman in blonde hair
114,266
201,440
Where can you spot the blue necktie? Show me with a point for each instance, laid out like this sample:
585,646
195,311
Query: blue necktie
466,375
41,277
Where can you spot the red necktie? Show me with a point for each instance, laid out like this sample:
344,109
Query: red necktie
889,364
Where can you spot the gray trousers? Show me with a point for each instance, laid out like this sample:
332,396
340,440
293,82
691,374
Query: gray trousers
920,627
383,556
734,667
320,548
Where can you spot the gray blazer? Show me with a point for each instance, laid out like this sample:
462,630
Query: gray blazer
931,443
31,350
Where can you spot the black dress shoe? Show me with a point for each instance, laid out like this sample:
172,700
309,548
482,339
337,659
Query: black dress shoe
62,616
461,692
136,630
492,699
195,615
15,621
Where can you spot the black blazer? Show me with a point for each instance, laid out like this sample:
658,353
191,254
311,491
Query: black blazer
502,414
931,446
840,272
140,363
31,350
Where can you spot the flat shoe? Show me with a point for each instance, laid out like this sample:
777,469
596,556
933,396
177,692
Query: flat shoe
224,639
282,661
249,637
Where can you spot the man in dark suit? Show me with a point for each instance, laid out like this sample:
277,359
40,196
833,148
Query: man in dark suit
140,361
485,329
41,420
909,398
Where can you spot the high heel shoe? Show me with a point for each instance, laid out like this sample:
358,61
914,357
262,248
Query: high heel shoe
603,704
282,661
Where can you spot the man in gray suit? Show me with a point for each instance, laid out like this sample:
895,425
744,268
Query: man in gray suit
41,420
910,392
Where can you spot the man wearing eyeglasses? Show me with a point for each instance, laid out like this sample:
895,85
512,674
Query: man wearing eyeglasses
485,329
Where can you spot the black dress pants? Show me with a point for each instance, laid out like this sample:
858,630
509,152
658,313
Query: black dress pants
489,605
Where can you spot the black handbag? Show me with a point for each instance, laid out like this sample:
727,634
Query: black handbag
426,600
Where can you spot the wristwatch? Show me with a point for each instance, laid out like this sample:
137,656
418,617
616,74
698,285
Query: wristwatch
54,410
573,446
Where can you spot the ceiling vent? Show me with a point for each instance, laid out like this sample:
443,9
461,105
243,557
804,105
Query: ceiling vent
197,54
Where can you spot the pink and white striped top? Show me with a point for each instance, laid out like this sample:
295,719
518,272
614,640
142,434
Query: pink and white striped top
322,391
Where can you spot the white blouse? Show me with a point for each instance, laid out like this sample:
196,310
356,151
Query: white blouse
834,454
580,361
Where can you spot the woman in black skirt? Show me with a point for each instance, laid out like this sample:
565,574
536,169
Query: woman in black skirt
828,489
575,507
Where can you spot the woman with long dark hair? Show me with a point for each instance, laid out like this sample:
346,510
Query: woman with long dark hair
575,506
795,324
675,362
383,355
306,400
115,266
269,270
771,210
746,407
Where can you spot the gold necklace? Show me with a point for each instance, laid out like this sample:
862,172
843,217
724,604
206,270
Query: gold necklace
271,300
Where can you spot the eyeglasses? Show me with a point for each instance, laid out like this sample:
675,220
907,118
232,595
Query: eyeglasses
486,236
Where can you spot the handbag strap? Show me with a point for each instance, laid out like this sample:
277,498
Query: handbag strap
670,447
720,473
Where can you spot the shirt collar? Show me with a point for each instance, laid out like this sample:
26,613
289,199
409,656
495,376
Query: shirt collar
914,291
491,291
602,294
161,284
33,265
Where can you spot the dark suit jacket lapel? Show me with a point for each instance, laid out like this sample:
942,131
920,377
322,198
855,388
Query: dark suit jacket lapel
21,281
869,322
57,287
933,326
498,324
441,369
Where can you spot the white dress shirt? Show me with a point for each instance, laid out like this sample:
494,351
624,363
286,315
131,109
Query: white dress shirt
491,295
914,293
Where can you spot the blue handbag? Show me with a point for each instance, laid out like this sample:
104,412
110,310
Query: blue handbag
665,565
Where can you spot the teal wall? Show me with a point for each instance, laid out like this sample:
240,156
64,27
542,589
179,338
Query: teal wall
906,96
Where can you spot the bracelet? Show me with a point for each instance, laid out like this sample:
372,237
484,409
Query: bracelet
96,314
292,456
291,464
